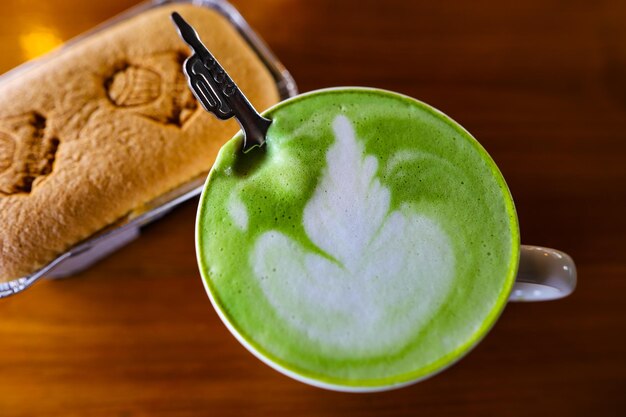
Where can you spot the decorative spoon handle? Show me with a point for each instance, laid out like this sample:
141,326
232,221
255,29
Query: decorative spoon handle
216,91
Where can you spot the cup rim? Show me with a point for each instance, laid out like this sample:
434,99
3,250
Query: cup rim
401,380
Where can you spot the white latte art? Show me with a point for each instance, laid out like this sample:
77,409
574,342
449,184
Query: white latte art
384,274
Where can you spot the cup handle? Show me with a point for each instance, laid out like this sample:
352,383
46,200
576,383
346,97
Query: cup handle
543,274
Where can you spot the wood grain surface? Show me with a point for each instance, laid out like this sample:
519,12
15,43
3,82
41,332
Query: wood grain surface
540,83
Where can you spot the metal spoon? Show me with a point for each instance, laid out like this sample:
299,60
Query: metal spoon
216,91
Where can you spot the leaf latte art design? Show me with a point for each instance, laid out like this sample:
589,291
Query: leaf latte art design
379,274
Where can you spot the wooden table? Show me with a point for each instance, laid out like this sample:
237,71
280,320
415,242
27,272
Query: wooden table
541,83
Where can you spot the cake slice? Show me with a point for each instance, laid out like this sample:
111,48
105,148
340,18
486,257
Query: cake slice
107,125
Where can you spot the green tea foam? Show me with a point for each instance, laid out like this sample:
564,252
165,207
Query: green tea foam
370,242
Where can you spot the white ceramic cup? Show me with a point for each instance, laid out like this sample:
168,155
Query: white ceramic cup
542,274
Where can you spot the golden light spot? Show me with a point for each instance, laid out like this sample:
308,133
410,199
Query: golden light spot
39,41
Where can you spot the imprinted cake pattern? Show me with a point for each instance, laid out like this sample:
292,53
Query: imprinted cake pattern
27,152
153,87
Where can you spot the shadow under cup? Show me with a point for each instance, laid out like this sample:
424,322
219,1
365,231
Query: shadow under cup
369,244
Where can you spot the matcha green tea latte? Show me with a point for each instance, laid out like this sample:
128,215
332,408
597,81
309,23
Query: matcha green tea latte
369,243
